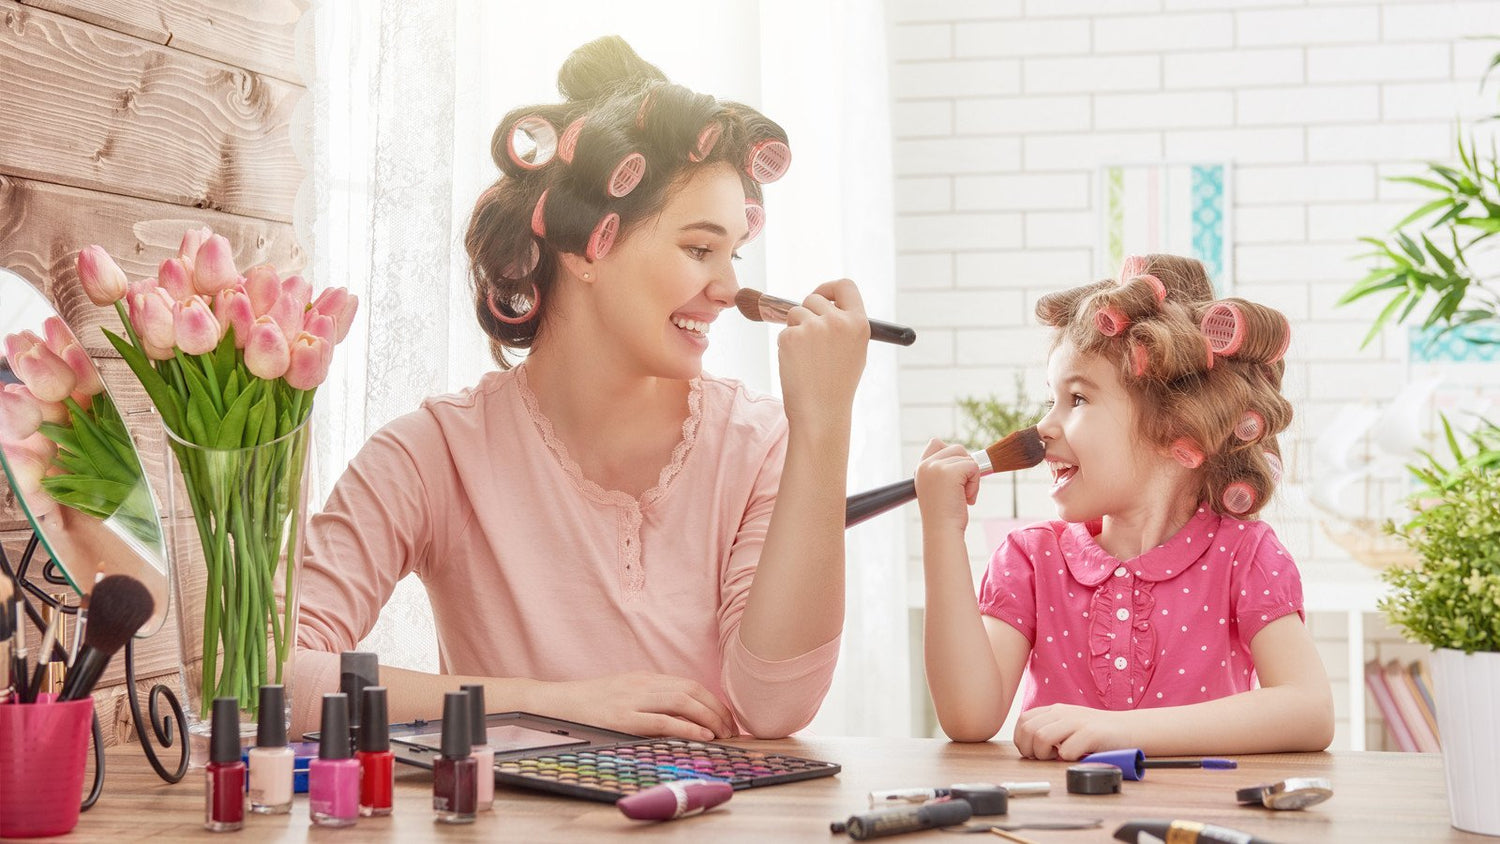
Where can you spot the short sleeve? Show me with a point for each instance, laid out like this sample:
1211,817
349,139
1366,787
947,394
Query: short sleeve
1266,587
1008,590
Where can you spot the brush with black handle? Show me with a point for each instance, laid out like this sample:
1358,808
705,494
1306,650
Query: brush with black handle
763,307
1020,450
118,606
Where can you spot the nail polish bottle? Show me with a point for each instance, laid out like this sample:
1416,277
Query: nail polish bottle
357,669
224,796
480,749
333,777
377,764
454,771
270,758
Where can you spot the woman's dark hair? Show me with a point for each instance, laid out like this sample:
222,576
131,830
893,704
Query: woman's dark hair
577,176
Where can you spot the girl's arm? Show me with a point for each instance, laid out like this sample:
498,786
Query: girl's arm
973,662
1291,711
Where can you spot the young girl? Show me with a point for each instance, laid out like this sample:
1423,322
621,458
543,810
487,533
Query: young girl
1155,613
606,533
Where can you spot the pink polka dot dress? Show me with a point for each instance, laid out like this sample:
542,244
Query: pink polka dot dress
1170,627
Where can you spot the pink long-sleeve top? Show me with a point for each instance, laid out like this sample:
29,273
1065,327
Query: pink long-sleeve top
535,571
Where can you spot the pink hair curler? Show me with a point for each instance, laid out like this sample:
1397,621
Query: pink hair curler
768,161
1275,463
533,142
603,237
522,267
539,216
755,217
1286,341
569,140
1184,451
1140,360
521,317
1224,326
628,173
1250,426
1132,266
1110,321
1157,288
1238,497
640,113
1208,351
706,140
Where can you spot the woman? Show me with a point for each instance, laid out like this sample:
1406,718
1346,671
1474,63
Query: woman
607,534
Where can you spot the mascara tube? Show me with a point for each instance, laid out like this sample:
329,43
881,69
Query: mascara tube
897,821
1183,832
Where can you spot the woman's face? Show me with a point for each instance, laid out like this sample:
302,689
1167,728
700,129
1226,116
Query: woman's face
661,288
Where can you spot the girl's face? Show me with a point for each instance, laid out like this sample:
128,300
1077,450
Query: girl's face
660,290
1100,465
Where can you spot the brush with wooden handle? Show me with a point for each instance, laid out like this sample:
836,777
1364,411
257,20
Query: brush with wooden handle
1020,450
763,307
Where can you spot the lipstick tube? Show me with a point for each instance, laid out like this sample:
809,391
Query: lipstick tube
676,799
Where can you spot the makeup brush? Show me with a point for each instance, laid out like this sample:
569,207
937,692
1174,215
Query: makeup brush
119,606
7,606
44,653
1020,450
763,307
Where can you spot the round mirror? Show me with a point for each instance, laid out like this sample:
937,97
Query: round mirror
67,454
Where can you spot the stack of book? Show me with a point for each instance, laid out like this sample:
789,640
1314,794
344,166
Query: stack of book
1403,694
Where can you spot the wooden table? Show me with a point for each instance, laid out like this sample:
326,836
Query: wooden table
1378,797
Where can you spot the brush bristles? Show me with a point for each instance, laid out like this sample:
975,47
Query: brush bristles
1020,450
120,605
748,301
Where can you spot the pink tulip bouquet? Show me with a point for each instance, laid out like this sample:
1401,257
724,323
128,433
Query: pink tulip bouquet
231,362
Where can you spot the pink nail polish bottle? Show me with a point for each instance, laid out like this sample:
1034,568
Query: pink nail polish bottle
480,749
333,777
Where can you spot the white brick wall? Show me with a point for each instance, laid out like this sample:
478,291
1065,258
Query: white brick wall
1004,110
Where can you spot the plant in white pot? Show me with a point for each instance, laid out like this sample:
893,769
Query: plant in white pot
1450,600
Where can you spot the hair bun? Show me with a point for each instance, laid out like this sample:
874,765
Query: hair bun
604,65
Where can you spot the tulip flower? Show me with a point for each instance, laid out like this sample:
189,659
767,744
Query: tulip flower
213,269
266,352
263,286
192,239
47,376
310,358
89,382
319,325
288,312
298,288
151,315
28,469
57,334
18,343
20,413
197,331
141,286
232,308
338,304
176,278
102,279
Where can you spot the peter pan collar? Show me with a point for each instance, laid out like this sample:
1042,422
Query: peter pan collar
1091,564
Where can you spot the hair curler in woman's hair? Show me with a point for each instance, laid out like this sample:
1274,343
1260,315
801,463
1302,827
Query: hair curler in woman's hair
1186,452
1239,497
706,141
627,174
768,160
516,315
645,107
531,142
569,140
603,237
523,267
1250,426
1243,330
755,218
539,216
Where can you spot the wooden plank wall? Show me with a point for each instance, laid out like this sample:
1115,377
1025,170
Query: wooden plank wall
124,124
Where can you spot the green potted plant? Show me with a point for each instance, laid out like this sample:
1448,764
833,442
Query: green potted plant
990,418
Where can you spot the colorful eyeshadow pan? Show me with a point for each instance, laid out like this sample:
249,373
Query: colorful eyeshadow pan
610,772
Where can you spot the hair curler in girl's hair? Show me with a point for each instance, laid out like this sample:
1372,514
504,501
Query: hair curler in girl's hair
1238,497
603,237
1132,266
1275,463
1187,452
1118,306
755,218
1110,321
1250,426
531,142
569,140
1057,309
539,216
1243,330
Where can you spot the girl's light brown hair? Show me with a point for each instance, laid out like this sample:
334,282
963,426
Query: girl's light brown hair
1205,375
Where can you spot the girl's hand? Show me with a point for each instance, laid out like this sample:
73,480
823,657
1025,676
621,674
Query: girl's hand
822,354
947,484
642,703
1064,731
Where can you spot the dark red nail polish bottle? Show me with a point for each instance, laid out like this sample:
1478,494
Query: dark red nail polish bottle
455,783
224,795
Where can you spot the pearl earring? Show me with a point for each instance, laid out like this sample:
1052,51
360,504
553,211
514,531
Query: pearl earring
585,275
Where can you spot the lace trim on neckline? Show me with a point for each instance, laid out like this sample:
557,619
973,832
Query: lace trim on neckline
593,490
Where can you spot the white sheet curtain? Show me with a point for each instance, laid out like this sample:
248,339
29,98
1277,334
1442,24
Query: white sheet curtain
402,102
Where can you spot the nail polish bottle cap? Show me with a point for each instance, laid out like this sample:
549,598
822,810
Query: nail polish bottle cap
270,725
479,735
225,730
333,739
375,735
456,742
357,669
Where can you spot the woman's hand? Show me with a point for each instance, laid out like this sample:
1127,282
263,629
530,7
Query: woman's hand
947,484
642,703
1065,731
822,353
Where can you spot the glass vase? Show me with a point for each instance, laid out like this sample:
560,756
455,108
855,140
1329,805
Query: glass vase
238,519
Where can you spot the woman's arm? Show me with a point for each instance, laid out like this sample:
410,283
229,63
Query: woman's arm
1291,711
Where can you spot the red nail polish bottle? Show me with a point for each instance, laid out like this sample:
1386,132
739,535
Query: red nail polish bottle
377,764
224,795
454,772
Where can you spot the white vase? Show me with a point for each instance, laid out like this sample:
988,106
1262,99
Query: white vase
1467,697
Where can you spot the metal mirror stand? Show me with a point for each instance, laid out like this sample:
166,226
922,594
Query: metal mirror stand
167,731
